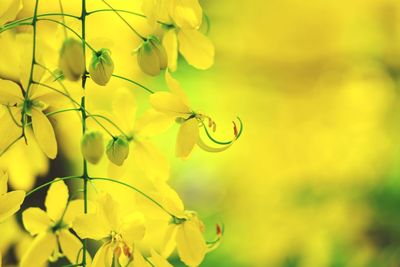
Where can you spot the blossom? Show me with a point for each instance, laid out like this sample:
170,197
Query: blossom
10,202
51,228
34,105
119,232
185,231
176,104
138,131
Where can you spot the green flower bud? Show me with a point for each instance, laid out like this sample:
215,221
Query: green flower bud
92,146
152,57
118,150
101,67
72,62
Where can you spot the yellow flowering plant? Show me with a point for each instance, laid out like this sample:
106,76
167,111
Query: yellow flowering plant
34,102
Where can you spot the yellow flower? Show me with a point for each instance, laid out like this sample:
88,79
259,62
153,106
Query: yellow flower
9,10
120,234
101,67
185,232
176,105
9,202
33,106
72,61
51,228
151,56
187,14
142,152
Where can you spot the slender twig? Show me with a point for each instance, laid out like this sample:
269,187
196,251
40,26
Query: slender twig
135,189
133,82
109,121
125,21
51,182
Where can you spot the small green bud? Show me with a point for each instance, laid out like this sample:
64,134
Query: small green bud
118,150
101,67
72,62
152,57
92,146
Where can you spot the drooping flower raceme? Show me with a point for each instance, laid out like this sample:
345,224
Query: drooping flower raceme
119,233
53,238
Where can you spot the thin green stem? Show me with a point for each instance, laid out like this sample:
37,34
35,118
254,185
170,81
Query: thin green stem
109,121
38,16
51,182
84,116
125,11
125,21
135,189
133,82
12,117
71,30
14,26
62,17
62,111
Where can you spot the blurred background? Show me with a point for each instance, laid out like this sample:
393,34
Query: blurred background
315,179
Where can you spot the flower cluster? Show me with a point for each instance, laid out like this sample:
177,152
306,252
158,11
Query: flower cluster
122,219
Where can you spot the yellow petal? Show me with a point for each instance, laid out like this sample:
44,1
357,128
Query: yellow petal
124,106
132,228
196,48
103,256
187,137
56,200
156,10
91,226
147,156
8,129
170,199
44,133
159,261
9,10
138,259
190,244
187,13
170,43
175,88
3,182
10,203
10,93
71,246
36,221
153,123
169,240
40,250
75,209
169,104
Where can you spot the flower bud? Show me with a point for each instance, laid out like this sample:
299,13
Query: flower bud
92,146
72,62
118,150
152,57
101,67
